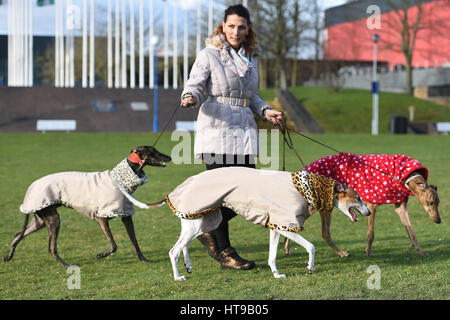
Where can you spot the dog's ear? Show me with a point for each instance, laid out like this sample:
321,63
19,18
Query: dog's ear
418,184
432,186
339,187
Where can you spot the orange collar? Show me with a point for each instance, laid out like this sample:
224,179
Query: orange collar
134,158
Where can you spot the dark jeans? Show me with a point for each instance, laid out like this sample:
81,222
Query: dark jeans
214,161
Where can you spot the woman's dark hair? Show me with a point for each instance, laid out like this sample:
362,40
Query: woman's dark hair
241,11
238,9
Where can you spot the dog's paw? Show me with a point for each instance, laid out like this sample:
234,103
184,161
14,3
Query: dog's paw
279,276
309,271
188,268
423,254
180,278
369,253
343,254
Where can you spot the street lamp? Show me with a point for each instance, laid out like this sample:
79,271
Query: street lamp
154,41
375,87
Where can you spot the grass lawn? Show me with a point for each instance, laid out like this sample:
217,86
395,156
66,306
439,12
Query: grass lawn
350,111
34,274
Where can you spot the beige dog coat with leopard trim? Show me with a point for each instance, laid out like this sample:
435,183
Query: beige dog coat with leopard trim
264,197
94,194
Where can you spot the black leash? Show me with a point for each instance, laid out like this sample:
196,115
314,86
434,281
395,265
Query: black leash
167,123
287,140
285,131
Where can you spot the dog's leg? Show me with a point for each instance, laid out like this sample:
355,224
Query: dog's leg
187,260
287,249
370,227
189,230
36,224
104,225
52,221
402,211
304,243
273,248
128,222
326,221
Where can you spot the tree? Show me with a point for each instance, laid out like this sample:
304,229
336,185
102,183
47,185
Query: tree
407,26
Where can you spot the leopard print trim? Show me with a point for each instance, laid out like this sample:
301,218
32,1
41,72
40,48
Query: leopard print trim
188,216
126,176
284,228
317,190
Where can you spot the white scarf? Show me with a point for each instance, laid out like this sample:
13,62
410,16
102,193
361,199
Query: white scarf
240,59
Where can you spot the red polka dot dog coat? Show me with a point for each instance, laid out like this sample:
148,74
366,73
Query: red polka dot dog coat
360,173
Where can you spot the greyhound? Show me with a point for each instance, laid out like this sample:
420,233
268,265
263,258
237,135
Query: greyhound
382,179
97,195
275,199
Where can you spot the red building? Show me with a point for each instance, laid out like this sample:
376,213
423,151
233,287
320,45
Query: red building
349,29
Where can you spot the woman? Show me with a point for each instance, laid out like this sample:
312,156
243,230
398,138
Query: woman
224,83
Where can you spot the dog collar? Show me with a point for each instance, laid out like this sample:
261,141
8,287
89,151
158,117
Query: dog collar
124,175
134,158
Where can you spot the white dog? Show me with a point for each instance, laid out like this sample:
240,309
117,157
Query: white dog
279,200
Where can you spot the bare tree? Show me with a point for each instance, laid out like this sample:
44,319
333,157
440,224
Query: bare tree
407,27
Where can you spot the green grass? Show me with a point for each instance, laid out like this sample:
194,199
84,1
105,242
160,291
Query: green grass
34,274
350,111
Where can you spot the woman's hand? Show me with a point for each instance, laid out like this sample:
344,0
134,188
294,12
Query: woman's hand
187,100
273,116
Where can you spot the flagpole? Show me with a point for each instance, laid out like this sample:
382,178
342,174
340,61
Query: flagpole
109,44
92,46
185,48
141,44
175,46
151,59
117,45
166,45
132,47
124,46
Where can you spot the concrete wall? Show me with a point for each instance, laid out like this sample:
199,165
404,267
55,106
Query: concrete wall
20,108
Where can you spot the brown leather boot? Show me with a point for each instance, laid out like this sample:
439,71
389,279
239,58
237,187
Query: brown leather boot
209,242
229,259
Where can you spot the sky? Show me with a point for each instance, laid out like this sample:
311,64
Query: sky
44,21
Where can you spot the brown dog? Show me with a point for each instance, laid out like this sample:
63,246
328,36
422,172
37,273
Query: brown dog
94,194
382,179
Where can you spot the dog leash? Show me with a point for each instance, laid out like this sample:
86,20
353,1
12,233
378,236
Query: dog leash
287,141
285,131
167,123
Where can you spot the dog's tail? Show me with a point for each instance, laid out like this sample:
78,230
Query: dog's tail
25,223
156,204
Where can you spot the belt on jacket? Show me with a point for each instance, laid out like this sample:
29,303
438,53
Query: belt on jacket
230,101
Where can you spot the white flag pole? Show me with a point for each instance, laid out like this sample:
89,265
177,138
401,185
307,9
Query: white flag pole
92,46
151,64
175,46
117,45
84,81
185,48
141,44
166,45
109,44
124,46
132,47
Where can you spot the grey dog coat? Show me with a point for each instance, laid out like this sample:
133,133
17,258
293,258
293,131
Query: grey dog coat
264,197
94,194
